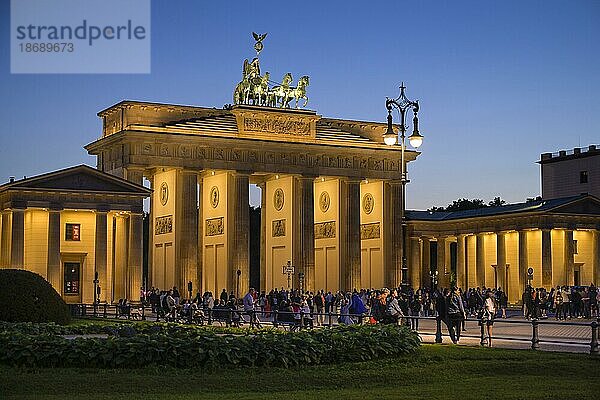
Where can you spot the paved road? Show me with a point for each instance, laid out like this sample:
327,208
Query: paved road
516,332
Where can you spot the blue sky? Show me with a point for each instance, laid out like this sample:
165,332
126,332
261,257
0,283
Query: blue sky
499,82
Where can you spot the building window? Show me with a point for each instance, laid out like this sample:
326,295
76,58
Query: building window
583,177
71,274
73,232
575,251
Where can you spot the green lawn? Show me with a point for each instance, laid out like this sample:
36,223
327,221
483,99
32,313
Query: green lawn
435,372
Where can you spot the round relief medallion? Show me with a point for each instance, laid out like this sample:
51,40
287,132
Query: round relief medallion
163,193
214,196
368,203
278,199
324,201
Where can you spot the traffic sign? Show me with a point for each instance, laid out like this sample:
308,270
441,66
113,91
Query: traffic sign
529,271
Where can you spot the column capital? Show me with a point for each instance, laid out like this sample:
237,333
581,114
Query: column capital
242,172
394,182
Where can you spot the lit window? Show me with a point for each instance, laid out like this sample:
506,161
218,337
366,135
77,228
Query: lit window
583,177
73,232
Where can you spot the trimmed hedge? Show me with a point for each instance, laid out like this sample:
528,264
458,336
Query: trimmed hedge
26,296
202,348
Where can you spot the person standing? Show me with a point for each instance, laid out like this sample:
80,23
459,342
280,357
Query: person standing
456,314
558,303
487,318
248,302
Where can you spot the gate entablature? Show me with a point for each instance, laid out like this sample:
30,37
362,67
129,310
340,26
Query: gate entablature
147,135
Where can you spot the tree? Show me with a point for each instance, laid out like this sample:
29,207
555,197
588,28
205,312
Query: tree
497,202
465,204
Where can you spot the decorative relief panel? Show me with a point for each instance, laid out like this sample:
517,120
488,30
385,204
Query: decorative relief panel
214,197
368,203
278,199
276,126
370,231
215,226
163,225
324,201
325,230
278,227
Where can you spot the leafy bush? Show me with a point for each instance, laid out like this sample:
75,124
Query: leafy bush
203,348
25,296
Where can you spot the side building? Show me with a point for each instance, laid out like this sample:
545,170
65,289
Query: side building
553,240
70,224
571,172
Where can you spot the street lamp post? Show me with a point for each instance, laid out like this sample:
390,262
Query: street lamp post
403,104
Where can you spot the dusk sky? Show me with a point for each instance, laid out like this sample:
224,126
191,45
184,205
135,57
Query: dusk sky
499,82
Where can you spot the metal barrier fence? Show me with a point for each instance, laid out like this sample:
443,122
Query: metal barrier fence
301,320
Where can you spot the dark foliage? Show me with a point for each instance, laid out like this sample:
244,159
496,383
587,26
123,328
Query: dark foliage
182,347
27,297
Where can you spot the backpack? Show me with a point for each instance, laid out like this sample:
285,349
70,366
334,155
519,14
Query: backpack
453,306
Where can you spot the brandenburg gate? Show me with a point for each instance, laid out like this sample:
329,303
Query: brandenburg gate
331,189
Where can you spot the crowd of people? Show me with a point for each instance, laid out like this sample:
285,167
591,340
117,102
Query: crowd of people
306,308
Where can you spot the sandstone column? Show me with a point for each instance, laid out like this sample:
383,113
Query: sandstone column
480,259
200,237
17,238
186,226
134,242
426,263
569,258
134,256
100,252
546,258
461,268
238,209
53,272
392,222
501,260
596,256
443,279
150,277
415,263
5,240
349,227
263,235
303,231
523,260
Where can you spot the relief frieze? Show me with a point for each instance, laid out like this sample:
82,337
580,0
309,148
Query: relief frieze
277,126
370,231
325,230
278,228
163,225
215,226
